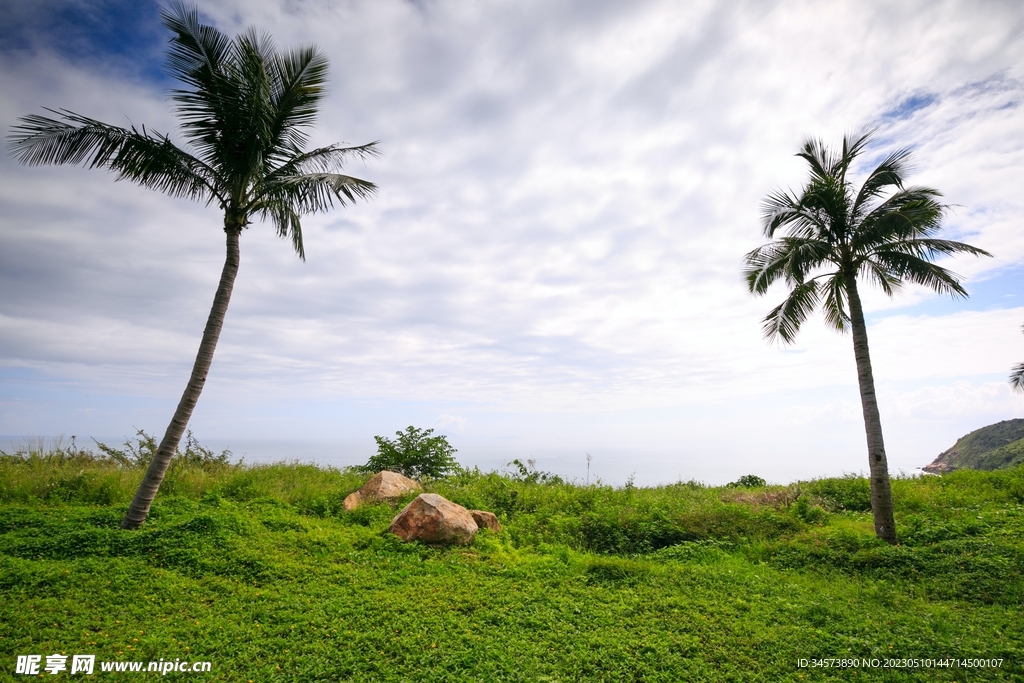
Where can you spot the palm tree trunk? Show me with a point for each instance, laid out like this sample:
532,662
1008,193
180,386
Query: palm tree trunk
139,508
881,493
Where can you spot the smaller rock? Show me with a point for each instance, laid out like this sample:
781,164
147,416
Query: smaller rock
486,520
383,487
352,501
434,519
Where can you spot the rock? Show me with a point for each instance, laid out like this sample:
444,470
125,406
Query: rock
435,520
383,487
486,520
352,501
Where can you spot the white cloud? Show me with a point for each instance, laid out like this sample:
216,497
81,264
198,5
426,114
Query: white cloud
959,399
453,423
567,190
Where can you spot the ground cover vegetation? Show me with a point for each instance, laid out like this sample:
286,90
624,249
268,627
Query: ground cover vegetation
259,570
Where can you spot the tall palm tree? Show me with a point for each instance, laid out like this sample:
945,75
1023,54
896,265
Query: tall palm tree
244,112
834,237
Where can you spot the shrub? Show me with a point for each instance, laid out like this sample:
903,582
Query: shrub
140,453
415,453
812,514
749,481
529,473
849,492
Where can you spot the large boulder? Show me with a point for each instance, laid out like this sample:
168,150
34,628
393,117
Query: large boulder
383,487
486,520
435,520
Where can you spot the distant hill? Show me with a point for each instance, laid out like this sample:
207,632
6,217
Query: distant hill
989,448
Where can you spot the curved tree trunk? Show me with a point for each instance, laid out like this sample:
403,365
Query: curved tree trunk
881,493
139,508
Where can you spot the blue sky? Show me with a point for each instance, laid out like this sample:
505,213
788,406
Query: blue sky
552,266
125,33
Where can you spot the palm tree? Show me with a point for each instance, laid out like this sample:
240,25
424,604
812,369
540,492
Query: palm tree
244,111
1017,377
836,236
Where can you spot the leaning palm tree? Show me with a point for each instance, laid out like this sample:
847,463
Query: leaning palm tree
244,110
836,236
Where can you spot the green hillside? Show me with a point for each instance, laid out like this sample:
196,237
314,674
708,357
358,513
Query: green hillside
989,448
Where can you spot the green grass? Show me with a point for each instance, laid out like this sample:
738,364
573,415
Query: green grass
260,571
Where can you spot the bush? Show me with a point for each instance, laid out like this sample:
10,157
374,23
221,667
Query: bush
529,473
849,492
749,481
416,454
812,514
140,453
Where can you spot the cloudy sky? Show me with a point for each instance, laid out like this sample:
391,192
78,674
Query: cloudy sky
552,266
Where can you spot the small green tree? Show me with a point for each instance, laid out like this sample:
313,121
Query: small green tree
749,481
415,453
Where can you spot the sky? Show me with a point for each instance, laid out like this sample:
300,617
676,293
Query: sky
552,267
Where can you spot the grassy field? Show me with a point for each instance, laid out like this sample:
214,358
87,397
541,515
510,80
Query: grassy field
259,571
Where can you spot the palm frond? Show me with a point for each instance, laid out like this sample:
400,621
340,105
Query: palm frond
250,142
784,321
289,225
143,157
834,303
817,155
326,159
780,209
311,192
202,58
908,214
197,50
902,266
764,266
1017,377
302,80
929,248
791,258
827,200
878,274
853,145
887,174
286,199
803,257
